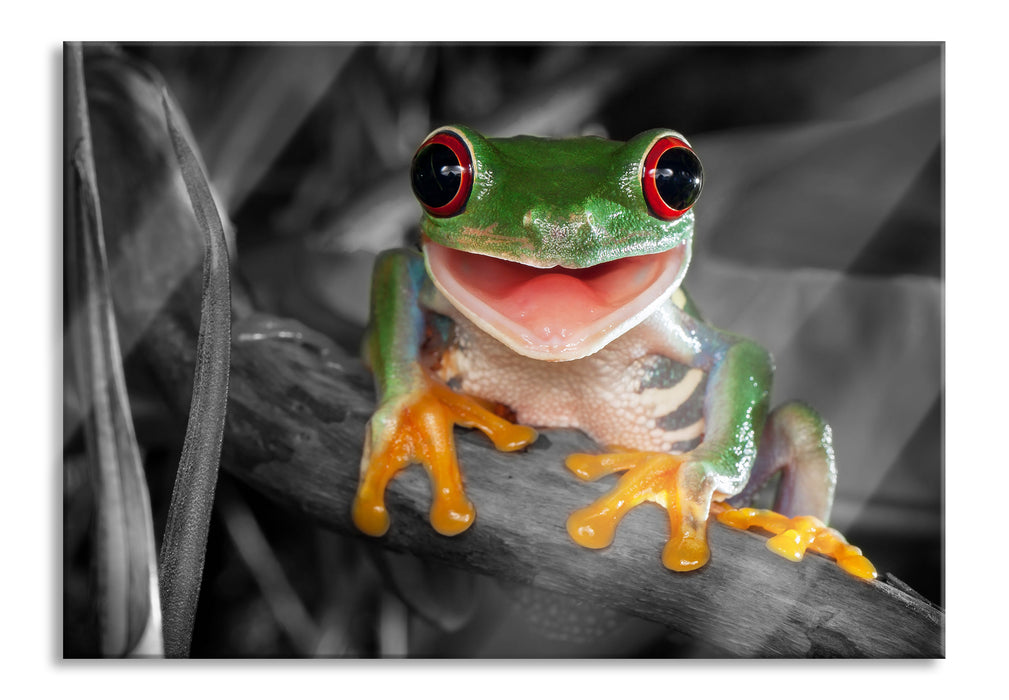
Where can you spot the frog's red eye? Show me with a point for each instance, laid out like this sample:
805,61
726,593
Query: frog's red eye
442,174
671,178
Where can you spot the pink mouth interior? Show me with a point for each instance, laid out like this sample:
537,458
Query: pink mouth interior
552,311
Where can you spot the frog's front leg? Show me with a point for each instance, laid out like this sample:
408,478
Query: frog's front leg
416,411
735,409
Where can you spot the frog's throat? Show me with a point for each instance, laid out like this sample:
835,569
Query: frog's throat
556,313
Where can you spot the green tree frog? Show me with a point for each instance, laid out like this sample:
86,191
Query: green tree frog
549,281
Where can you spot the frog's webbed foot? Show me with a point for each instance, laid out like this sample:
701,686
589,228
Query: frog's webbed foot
672,481
418,428
793,536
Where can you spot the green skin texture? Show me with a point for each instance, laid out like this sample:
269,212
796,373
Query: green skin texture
589,187
525,191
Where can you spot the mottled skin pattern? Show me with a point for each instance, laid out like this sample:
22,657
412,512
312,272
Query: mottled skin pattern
681,406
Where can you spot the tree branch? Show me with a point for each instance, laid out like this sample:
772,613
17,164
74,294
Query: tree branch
295,431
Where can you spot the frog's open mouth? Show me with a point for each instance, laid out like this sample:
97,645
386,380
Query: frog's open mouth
555,313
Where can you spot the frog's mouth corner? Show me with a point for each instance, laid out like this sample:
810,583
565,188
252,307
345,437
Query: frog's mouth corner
555,313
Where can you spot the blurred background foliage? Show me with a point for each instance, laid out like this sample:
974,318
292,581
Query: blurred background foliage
819,234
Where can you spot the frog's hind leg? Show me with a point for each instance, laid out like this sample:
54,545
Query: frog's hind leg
797,443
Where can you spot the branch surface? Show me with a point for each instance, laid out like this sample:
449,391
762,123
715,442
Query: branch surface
295,431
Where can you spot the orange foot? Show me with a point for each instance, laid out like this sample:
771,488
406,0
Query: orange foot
418,428
792,536
669,480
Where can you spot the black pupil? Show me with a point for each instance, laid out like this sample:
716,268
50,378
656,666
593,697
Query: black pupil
678,177
437,175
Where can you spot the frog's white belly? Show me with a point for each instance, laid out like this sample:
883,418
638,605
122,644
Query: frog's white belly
621,396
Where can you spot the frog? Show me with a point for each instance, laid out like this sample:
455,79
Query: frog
548,280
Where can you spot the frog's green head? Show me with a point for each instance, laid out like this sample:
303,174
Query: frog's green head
556,246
